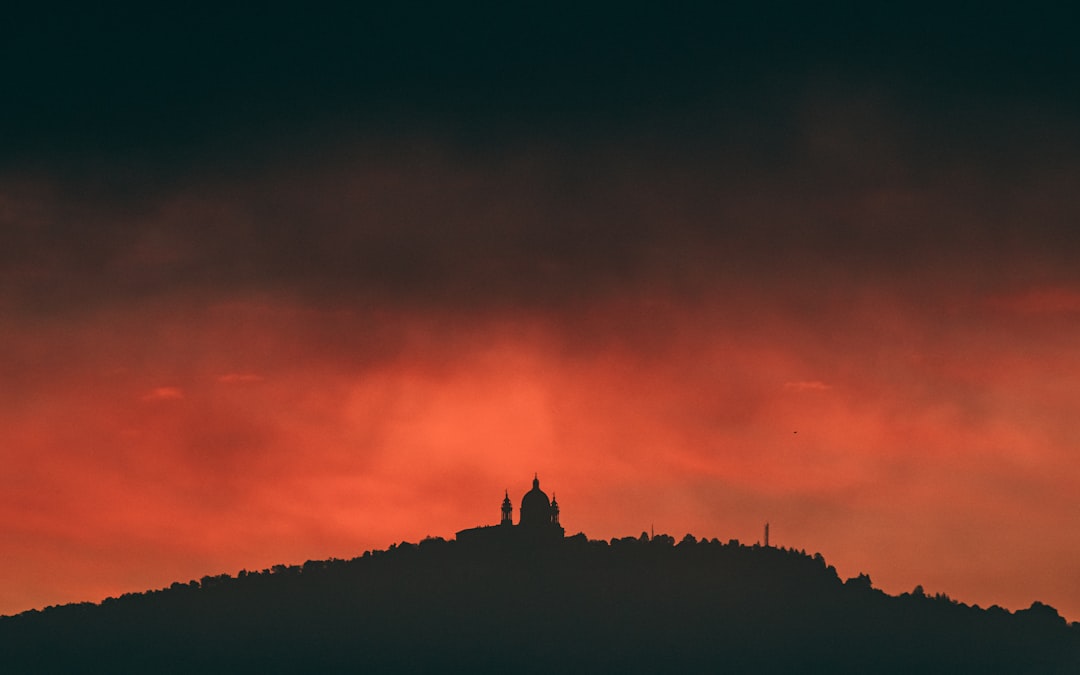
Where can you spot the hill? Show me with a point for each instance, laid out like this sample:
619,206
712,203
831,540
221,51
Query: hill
625,606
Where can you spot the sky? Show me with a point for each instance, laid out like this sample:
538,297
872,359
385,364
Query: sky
302,283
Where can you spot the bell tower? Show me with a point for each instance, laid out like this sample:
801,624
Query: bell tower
507,510
554,510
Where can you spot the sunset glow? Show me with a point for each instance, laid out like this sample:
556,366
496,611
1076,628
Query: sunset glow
342,345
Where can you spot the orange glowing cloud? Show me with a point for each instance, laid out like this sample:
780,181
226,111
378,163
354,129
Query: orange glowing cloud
806,385
688,430
239,378
164,394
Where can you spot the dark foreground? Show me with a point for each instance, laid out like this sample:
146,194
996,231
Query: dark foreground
629,606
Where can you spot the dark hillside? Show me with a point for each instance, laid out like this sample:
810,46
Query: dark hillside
627,606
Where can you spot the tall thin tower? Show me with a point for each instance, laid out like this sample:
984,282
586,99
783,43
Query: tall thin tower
507,509
766,534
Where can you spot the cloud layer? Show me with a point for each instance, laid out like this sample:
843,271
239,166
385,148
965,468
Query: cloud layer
696,284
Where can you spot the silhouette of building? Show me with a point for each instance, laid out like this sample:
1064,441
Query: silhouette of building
538,520
507,510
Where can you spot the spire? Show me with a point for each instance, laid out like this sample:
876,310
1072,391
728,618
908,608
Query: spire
536,482
507,508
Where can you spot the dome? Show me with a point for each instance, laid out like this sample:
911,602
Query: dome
535,507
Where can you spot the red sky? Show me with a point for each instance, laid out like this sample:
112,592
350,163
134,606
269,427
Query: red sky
258,314
917,426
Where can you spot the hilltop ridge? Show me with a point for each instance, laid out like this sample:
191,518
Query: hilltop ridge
626,605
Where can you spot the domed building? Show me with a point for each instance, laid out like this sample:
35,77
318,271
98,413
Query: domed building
536,509
538,520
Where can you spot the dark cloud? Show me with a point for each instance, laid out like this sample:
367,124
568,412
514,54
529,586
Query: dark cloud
417,229
431,225
173,83
502,156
